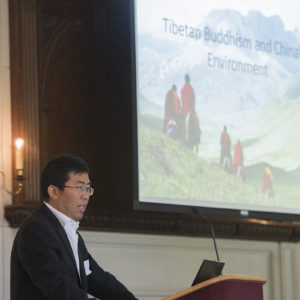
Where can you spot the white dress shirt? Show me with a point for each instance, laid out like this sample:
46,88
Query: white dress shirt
70,226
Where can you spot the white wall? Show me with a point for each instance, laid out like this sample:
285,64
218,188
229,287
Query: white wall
151,266
156,266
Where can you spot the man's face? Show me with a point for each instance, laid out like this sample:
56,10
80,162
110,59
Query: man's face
71,201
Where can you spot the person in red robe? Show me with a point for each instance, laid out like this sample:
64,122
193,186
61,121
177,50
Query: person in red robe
225,142
172,108
238,158
187,97
267,187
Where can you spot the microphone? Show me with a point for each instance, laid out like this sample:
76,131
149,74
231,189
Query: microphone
198,212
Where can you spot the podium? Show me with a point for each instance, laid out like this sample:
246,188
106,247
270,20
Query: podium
226,287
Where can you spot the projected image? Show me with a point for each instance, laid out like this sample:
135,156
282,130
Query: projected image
218,97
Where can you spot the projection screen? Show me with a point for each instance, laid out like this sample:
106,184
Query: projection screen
218,104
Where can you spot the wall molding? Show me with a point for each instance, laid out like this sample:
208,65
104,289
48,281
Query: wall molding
179,224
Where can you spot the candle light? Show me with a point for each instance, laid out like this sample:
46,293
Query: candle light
19,143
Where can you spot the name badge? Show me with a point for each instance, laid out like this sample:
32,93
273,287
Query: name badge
86,264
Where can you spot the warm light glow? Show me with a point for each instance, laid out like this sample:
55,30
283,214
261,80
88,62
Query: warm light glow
19,143
19,155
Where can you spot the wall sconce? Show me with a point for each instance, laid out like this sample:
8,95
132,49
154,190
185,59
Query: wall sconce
19,144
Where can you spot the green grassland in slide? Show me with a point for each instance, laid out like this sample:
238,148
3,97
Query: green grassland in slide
170,170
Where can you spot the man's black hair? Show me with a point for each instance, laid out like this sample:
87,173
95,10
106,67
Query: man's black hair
57,171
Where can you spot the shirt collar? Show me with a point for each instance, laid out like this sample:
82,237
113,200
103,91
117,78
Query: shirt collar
62,218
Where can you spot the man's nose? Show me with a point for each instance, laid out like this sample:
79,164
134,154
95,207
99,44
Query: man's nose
85,195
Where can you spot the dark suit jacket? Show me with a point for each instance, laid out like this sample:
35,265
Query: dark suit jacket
43,265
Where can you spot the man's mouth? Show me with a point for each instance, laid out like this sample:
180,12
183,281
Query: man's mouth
82,208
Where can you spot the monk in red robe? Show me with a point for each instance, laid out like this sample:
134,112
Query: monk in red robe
267,187
172,107
238,158
187,97
225,142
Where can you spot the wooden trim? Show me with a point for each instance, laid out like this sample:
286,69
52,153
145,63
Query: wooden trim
24,83
258,280
170,224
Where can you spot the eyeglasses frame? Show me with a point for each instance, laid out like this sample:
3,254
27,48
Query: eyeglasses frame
83,189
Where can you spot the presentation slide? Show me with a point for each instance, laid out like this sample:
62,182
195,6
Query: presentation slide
218,103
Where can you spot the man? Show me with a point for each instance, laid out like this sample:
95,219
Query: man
267,187
49,258
238,161
187,97
193,131
225,142
172,107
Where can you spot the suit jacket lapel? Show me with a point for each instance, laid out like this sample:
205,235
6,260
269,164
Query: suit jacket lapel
64,238
61,233
83,277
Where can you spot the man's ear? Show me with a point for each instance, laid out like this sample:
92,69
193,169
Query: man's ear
52,192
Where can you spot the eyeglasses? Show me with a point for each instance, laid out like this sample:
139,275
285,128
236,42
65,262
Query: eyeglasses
82,188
